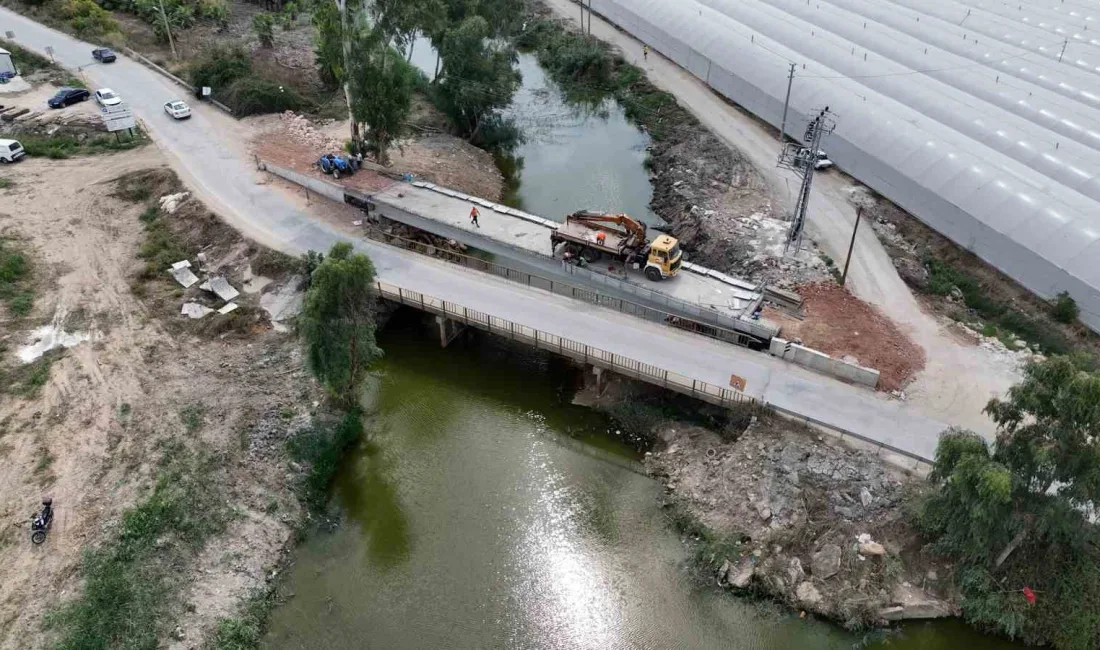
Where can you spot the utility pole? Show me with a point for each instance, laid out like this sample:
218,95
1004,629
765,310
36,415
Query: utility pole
802,160
786,103
589,17
851,246
1064,44
168,30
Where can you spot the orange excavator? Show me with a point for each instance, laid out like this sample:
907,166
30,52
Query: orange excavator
592,235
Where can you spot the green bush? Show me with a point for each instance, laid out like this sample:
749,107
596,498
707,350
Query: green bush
15,275
87,18
220,68
263,24
1064,308
254,96
321,447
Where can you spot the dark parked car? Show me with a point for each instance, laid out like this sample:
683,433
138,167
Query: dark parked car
103,54
67,96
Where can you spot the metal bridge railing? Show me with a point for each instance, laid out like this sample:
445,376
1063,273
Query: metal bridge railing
626,366
566,289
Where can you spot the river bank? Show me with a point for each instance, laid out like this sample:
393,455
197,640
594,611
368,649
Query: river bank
714,200
775,508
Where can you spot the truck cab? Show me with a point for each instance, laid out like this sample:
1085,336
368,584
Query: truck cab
664,258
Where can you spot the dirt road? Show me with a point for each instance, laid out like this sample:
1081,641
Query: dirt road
959,378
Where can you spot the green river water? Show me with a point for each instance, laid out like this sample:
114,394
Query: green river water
486,511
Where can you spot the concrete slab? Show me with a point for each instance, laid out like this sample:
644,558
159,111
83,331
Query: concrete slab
184,276
221,287
194,310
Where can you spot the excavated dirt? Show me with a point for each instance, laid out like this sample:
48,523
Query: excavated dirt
843,326
93,435
796,505
296,142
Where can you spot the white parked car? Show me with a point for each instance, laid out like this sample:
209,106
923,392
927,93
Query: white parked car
107,97
177,109
821,161
10,151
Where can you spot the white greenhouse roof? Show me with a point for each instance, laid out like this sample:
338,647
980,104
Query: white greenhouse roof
958,111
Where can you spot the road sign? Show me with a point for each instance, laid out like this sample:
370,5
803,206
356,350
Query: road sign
49,50
10,35
118,117
206,91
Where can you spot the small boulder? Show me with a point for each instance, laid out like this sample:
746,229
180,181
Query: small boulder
807,594
723,570
865,497
826,562
741,575
872,549
795,572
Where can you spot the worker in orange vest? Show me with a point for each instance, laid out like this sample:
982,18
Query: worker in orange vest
474,214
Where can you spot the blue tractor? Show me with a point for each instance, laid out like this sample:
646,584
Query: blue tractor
337,165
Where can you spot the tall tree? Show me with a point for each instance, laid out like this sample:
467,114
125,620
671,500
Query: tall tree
337,322
478,77
382,83
1017,514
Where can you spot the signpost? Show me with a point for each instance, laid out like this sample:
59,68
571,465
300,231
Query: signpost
119,117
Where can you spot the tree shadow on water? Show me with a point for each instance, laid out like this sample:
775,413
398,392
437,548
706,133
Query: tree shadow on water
370,499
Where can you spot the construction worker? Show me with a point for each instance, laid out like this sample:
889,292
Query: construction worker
645,52
474,214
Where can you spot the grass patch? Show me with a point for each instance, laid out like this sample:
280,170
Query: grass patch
272,263
27,379
162,247
192,417
320,447
5,183
61,146
1001,319
16,273
708,548
129,580
244,632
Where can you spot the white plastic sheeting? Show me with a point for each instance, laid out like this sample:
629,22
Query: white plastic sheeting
959,112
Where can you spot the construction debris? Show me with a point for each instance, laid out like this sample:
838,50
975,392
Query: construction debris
194,310
170,202
229,306
181,271
221,287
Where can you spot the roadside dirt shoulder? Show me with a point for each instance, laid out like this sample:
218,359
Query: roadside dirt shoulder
137,379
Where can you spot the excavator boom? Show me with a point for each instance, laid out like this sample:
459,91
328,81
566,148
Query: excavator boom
634,229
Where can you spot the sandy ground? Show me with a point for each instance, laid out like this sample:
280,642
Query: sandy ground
110,401
297,143
958,379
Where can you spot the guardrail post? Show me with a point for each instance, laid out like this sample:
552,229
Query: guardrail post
401,294
514,331
666,379
466,315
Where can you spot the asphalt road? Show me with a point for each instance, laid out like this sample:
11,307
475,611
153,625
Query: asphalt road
210,153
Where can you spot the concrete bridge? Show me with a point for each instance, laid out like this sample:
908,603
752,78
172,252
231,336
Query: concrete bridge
210,154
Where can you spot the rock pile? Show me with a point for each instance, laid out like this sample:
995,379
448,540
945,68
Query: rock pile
302,131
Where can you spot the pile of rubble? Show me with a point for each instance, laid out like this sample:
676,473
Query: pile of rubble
305,133
820,524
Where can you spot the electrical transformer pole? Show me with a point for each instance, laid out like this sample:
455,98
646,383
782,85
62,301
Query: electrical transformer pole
803,161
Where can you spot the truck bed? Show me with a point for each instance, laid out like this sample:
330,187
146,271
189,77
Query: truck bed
578,232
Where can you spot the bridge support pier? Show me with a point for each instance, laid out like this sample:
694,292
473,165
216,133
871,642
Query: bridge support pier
601,376
449,330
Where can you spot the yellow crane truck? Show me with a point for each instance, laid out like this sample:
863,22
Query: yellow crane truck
591,235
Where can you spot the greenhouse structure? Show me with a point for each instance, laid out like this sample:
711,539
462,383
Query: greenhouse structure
979,117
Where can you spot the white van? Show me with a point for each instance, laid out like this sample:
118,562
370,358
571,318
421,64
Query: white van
10,151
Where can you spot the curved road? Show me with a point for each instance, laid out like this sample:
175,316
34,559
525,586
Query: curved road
210,154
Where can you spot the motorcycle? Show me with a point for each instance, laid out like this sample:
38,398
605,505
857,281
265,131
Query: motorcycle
40,522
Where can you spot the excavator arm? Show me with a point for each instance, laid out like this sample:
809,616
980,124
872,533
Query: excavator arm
634,229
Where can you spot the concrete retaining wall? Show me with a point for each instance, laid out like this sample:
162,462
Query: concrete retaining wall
823,363
317,185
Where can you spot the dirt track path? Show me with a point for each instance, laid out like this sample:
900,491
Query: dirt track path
958,378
